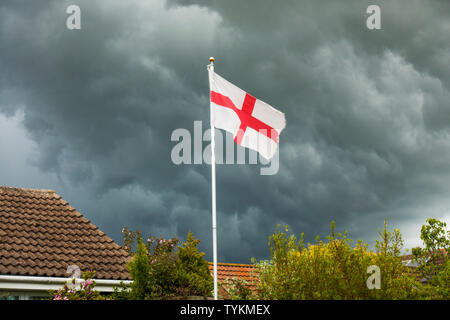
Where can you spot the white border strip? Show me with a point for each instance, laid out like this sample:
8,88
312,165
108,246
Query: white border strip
30,283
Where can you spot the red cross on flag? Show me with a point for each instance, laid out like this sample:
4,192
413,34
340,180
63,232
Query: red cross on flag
253,123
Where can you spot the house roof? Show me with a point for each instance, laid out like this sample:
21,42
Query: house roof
42,235
228,271
441,258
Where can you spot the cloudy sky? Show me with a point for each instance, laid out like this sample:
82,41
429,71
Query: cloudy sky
90,112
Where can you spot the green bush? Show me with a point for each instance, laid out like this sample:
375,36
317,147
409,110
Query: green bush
238,289
161,270
139,269
162,267
192,272
333,269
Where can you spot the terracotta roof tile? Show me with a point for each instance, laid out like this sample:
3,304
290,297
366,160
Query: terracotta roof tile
228,271
41,235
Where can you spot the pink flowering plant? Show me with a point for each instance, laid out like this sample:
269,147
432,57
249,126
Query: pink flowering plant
162,270
85,291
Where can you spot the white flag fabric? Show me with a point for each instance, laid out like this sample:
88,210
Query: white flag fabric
253,123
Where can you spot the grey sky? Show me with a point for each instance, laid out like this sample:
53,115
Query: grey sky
90,112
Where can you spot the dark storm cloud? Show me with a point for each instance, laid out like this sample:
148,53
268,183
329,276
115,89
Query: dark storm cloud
367,111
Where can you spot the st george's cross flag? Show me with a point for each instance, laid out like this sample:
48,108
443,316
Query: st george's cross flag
253,123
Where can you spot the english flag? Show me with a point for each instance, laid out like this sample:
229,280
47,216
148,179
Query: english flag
253,123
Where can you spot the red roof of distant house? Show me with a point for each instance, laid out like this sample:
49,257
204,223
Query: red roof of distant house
42,235
228,271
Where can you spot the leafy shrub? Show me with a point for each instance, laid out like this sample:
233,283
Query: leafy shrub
192,273
333,269
139,269
238,289
160,269
84,292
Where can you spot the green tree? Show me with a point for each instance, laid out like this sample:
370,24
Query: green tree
162,267
139,269
396,280
193,275
432,259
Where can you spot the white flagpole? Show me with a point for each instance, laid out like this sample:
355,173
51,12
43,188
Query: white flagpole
213,183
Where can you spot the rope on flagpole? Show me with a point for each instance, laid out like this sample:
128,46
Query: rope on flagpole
213,184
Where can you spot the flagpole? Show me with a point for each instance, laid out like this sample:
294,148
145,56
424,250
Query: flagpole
213,184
